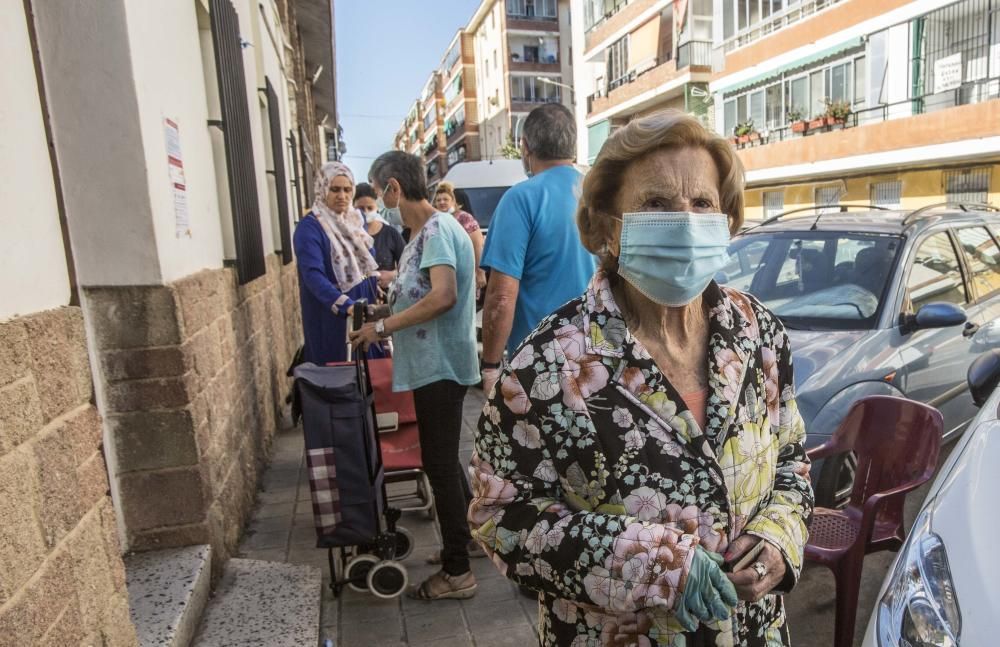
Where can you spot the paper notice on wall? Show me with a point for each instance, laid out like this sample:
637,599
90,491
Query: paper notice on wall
948,73
178,185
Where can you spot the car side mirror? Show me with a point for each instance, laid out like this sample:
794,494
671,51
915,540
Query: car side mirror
933,315
983,376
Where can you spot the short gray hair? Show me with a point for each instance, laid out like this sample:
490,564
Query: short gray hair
550,132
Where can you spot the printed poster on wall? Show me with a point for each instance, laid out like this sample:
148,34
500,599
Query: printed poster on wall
178,185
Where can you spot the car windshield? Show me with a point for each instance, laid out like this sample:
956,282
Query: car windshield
815,280
482,202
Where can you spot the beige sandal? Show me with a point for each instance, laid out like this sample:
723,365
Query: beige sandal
442,586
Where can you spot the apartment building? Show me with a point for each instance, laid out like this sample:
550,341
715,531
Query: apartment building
461,122
636,57
431,115
893,103
154,161
523,58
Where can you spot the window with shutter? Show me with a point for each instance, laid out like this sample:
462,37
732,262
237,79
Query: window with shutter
240,169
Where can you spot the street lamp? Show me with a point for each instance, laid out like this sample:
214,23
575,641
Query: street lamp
545,79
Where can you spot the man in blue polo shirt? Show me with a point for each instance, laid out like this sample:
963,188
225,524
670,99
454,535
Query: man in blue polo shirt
533,250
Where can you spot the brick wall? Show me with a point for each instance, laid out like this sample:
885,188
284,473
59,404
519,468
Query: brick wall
194,380
61,576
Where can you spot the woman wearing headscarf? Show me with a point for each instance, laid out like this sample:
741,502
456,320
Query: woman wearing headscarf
336,267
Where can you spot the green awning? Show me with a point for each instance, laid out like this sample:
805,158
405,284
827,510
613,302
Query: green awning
801,62
596,136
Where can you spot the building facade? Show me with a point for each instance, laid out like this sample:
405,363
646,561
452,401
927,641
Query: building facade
637,57
512,56
155,160
833,102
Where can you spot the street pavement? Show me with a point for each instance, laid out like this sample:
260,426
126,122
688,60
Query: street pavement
282,530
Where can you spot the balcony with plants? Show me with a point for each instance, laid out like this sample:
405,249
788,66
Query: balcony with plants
950,65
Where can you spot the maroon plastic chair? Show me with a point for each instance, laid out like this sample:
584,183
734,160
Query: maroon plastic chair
896,442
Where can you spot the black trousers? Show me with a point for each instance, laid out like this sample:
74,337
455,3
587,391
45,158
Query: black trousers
439,418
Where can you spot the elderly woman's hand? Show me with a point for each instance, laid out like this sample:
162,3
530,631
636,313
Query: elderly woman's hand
754,582
364,337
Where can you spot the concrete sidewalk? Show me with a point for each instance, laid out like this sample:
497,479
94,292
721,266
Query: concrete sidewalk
282,530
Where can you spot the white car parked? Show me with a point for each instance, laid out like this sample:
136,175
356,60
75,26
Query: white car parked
944,587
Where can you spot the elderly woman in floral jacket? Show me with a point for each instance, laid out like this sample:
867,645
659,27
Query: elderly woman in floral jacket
645,437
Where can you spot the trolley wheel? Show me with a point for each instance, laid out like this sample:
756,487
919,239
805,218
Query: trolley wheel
357,570
404,543
387,579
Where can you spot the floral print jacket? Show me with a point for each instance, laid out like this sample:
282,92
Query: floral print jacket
594,484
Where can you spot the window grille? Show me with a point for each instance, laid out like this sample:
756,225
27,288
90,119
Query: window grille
828,198
967,185
280,180
774,203
887,194
240,169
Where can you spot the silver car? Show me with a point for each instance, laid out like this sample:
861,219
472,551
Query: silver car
876,303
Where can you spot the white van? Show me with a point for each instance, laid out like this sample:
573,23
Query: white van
483,184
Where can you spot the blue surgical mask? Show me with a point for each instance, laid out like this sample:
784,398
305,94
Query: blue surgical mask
671,257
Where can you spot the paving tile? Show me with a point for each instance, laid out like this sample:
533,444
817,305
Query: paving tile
461,640
515,636
269,524
494,590
368,634
268,510
304,536
443,620
279,495
484,569
495,616
373,610
264,540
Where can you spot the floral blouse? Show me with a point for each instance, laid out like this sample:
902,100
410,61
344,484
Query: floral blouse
594,484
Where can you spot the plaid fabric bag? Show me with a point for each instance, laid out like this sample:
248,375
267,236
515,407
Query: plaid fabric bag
345,473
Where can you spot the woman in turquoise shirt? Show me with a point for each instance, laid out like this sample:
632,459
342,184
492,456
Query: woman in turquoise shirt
434,341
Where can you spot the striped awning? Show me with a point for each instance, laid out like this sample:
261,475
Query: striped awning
798,63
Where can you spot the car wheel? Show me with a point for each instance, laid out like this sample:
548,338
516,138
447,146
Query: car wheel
836,480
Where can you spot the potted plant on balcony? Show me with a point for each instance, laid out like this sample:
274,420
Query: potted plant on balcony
837,112
745,131
797,121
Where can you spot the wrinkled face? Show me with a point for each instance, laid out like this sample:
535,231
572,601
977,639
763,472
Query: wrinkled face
678,179
338,194
443,201
366,205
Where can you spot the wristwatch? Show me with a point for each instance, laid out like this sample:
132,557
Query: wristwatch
380,328
489,365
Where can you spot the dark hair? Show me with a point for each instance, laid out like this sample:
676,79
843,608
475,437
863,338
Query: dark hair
463,202
365,190
406,169
550,132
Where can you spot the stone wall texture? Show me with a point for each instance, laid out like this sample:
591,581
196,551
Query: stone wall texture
62,581
194,384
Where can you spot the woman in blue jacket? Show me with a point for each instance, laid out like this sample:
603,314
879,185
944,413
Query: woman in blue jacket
336,267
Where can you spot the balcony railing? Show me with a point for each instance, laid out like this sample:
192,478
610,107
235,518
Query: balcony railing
597,21
966,94
535,100
533,17
694,52
775,22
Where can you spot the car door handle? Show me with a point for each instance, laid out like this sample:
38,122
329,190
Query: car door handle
970,329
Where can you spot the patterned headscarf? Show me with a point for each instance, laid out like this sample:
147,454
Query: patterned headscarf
350,244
